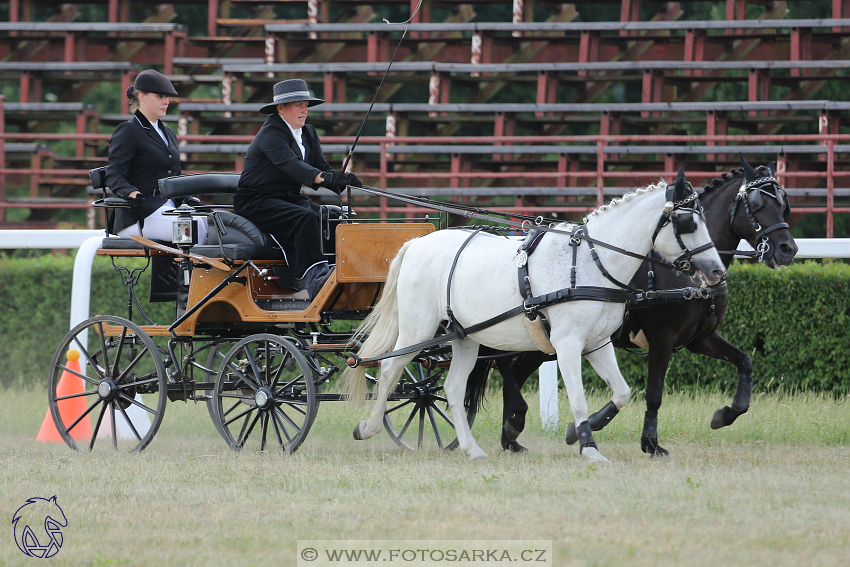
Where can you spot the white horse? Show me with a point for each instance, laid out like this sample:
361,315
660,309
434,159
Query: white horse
485,284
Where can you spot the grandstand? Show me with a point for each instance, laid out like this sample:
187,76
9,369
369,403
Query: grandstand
538,107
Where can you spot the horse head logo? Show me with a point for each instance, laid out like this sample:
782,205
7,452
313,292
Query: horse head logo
38,527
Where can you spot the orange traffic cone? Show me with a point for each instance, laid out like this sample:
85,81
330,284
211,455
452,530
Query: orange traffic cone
70,409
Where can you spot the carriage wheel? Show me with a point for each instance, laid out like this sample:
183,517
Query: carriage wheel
264,395
415,420
215,358
121,377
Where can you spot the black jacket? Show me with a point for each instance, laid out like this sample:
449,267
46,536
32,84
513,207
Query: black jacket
273,163
138,159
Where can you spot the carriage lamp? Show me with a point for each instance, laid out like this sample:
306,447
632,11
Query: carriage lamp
184,231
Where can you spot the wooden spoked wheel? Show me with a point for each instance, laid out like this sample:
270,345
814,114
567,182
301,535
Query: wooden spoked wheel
419,417
107,391
264,397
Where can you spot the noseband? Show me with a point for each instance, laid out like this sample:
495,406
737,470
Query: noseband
683,223
750,195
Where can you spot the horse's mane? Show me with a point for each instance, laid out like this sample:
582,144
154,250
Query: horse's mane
725,178
626,198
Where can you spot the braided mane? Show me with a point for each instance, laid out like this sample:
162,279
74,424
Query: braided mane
625,198
726,177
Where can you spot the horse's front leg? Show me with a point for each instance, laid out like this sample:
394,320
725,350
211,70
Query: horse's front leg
604,362
391,369
569,361
715,346
464,355
659,360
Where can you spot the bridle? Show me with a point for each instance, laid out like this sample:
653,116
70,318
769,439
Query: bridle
750,194
681,215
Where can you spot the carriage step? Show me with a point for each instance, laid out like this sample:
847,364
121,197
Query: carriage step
282,304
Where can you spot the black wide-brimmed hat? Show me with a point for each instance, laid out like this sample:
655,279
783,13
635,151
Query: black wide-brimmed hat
290,90
151,81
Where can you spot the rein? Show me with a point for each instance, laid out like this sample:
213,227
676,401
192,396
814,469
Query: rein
484,214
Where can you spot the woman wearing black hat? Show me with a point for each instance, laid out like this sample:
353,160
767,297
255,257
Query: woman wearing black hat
284,155
141,152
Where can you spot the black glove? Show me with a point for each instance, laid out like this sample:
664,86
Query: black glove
353,181
137,206
336,181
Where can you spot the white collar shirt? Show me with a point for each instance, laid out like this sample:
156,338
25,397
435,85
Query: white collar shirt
296,133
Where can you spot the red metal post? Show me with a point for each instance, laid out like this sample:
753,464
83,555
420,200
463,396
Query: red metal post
600,173
2,158
212,16
830,186
168,54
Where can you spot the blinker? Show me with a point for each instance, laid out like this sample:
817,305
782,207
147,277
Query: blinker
686,222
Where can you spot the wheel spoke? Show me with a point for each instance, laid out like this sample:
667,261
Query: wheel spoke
401,405
237,396
85,413
87,393
132,364
421,426
120,346
299,378
228,422
277,432
254,366
289,419
434,425
103,350
75,373
293,406
279,371
134,402
85,352
114,432
244,426
409,420
244,434
233,407
265,430
444,416
97,427
129,422
282,426
242,376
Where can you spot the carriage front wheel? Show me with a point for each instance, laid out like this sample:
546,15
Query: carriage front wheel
265,396
107,382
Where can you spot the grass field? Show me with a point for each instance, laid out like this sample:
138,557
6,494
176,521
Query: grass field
774,489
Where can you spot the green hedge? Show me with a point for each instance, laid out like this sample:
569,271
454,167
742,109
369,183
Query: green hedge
794,323
35,309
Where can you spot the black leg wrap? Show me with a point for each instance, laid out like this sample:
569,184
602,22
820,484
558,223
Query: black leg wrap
603,417
726,415
596,420
649,438
585,437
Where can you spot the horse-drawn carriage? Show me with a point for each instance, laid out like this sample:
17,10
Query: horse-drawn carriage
249,344
260,355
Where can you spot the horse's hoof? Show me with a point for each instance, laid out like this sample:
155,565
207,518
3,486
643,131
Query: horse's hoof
571,436
357,434
725,417
514,447
652,447
477,453
593,456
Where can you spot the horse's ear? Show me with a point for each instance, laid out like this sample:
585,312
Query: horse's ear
680,186
52,500
771,168
749,172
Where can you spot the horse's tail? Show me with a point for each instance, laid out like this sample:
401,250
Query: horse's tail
476,385
382,326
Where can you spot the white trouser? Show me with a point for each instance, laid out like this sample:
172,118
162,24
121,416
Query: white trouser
158,226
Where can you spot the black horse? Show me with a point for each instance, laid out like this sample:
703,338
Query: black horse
743,204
